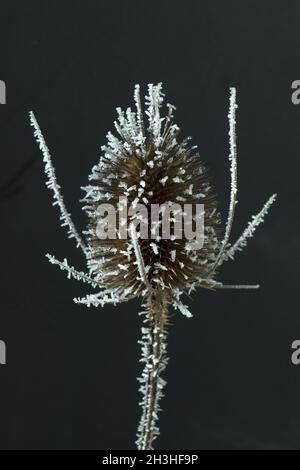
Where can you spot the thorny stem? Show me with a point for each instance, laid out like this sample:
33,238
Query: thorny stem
154,356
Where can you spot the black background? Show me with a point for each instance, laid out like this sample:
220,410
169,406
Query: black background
70,378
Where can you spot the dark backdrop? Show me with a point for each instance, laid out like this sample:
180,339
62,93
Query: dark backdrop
70,378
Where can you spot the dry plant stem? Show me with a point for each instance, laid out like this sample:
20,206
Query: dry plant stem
154,355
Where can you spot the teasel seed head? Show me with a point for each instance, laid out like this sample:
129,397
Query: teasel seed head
148,163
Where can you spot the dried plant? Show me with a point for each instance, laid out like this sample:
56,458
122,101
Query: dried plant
148,164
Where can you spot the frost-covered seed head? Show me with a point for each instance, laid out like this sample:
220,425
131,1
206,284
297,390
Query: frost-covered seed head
149,164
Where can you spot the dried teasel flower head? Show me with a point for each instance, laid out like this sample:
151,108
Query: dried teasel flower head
148,165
